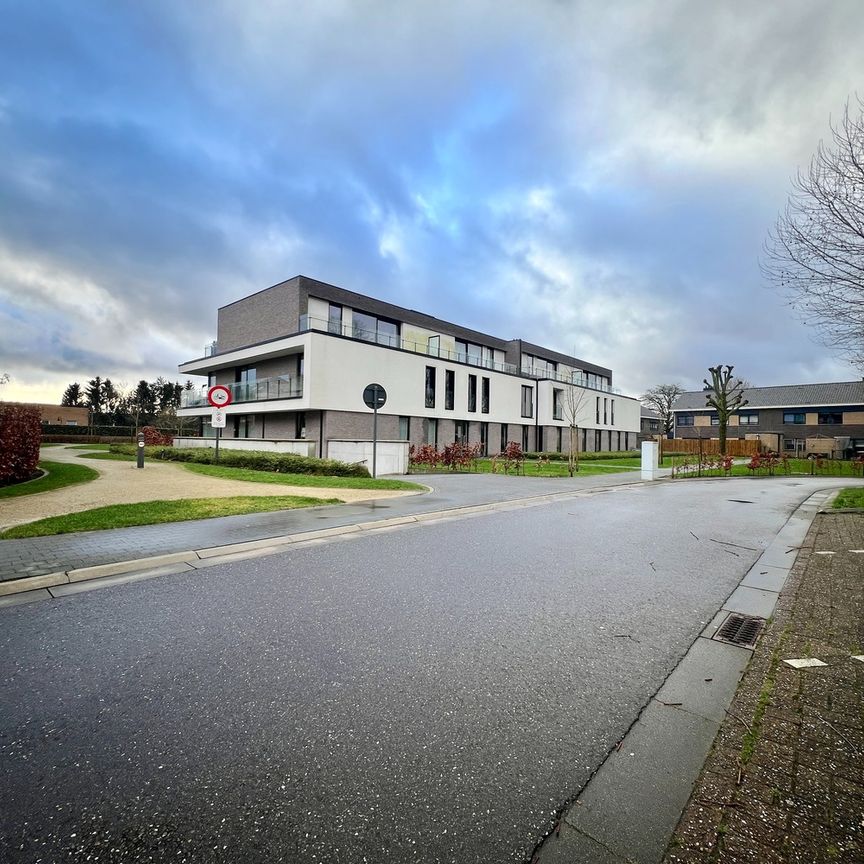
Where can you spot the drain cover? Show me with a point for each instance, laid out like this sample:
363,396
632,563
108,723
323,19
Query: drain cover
740,630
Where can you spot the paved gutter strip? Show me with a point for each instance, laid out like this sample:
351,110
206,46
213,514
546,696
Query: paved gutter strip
158,565
631,805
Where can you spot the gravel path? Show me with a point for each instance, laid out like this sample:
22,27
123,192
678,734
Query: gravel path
124,483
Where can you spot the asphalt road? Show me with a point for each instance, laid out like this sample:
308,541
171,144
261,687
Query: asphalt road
427,694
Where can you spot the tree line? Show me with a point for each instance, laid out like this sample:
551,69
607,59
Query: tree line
118,405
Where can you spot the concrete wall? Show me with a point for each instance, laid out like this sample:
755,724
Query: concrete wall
303,447
391,456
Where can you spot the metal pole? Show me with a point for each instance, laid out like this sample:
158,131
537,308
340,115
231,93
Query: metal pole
218,433
140,454
375,437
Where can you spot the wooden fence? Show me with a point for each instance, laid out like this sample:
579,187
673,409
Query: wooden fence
711,446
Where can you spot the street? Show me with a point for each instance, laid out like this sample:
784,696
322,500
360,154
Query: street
432,693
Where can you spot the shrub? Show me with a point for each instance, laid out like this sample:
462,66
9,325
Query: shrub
20,436
281,463
426,455
153,437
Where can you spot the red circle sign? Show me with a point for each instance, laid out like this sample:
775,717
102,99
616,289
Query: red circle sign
219,396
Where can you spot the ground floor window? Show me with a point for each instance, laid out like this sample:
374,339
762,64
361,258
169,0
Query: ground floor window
584,440
598,440
404,428
244,425
484,438
300,425
539,445
461,434
504,441
525,438
430,431
558,434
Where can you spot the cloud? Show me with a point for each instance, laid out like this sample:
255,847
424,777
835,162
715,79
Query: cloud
596,178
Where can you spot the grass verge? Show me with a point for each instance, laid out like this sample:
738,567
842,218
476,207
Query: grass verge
300,479
156,512
58,474
850,498
535,469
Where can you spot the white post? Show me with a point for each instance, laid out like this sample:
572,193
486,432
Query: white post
650,460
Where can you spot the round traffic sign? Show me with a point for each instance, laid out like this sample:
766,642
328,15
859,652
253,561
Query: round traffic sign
374,396
219,396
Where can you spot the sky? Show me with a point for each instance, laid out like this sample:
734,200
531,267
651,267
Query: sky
597,178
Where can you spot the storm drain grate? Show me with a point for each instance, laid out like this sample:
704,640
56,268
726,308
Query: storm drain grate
740,630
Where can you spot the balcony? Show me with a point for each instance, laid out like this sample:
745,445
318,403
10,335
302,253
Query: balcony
307,322
280,387
578,380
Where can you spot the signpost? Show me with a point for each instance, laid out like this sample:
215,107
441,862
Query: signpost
140,463
374,395
219,396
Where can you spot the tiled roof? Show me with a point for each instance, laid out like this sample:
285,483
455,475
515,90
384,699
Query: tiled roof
786,396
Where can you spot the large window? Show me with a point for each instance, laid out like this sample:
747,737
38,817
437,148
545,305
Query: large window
300,425
605,412
798,418
430,387
525,442
473,354
751,418
484,396
597,412
472,392
683,419
461,431
527,401
404,428
484,438
334,319
504,441
430,431
245,377
449,389
369,328
830,418
558,405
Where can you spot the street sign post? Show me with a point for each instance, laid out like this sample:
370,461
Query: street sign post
219,396
374,395
140,452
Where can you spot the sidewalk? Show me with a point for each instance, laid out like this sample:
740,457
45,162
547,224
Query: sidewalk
785,779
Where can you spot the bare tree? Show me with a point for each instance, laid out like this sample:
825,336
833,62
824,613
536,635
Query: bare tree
661,398
5,378
574,401
725,395
815,254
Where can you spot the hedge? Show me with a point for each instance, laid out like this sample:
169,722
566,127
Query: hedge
20,436
282,463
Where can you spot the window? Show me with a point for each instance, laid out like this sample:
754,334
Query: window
539,366
558,437
612,411
472,392
525,438
430,387
504,441
605,415
584,440
372,329
830,418
749,419
598,440
300,425
715,420
334,319
449,388
484,438
245,377
654,425
461,434
557,405
484,396
430,431
597,412
471,353
527,401
243,424
683,419
797,417
404,428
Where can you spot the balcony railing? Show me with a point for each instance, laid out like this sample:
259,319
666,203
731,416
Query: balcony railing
280,387
307,322
578,380
211,348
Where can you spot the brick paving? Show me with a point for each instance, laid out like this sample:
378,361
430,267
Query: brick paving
785,779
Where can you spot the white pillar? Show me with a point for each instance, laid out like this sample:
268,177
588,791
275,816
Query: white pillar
650,460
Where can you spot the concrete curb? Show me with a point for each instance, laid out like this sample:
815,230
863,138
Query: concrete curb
630,807
32,588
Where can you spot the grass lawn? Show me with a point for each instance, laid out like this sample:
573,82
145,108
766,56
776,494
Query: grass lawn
552,469
299,479
59,474
850,498
806,467
153,512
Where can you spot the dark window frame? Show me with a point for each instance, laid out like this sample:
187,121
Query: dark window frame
430,386
449,390
823,416
472,393
484,395
527,401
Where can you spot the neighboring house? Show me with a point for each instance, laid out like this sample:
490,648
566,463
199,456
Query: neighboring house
650,423
60,415
795,417
298,355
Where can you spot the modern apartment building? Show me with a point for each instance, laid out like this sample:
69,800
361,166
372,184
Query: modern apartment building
298,355
785,417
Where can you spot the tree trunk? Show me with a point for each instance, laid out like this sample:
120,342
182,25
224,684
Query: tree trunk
721,432
571,460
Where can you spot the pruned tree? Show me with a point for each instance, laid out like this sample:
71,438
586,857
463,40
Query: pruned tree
815,253
661,399
725,395
574,402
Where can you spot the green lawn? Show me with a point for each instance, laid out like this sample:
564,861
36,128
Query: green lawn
318,481
153,512
59,474
850,498
806,467
552,469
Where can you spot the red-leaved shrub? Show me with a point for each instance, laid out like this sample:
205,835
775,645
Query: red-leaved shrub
154,438
20,435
